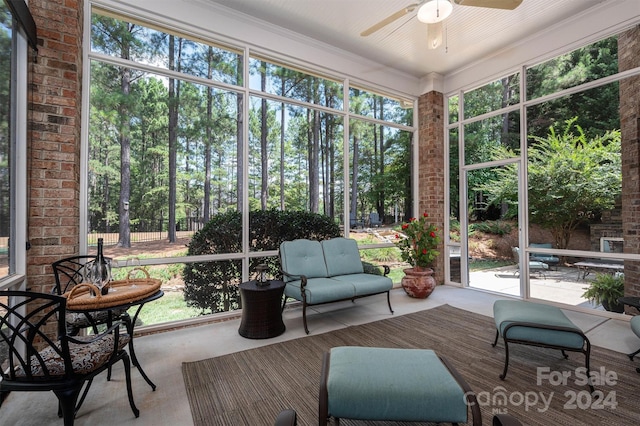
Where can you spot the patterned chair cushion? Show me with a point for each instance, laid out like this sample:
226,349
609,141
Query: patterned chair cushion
85,358
80,320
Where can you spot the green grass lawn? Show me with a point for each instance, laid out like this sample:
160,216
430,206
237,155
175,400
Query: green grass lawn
479,265
170,307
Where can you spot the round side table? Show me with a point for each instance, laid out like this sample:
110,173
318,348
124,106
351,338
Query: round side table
261,310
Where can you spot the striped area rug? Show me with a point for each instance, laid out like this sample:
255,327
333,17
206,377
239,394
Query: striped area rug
253,386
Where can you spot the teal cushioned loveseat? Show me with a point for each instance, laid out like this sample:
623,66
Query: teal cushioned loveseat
317,272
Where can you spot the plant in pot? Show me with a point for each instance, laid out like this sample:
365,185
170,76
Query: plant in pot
417,241
606,289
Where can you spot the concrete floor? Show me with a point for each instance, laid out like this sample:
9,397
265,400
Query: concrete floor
162,355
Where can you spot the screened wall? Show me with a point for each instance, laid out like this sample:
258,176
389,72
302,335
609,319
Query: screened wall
185,130
536,172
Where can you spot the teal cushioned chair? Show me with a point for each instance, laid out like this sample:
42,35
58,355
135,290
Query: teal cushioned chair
635,327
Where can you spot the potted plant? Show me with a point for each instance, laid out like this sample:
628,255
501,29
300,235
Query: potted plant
606,289
417,242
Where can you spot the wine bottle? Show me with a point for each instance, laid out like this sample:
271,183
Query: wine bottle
102,267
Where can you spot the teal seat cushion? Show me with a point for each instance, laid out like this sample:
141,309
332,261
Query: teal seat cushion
320,290
366,283
392,384
635,325
542,257
506,312
302,257
535,265
342,256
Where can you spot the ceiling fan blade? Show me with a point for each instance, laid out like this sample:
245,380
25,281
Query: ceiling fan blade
495,4
389,19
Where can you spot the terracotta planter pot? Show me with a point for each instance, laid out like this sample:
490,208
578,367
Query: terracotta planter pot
418,283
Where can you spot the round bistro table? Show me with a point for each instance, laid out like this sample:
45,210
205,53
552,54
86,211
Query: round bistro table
261,310
118,301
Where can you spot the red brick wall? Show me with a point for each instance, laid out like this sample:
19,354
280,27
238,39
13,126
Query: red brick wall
431,171
629,57
54,165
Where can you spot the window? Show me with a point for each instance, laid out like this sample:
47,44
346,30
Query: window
563,147
177,138
16,28
6,135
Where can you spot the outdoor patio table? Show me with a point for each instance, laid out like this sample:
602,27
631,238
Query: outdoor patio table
127,294
586,266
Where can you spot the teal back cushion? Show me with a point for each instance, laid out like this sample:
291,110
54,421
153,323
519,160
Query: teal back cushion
302,257
342,256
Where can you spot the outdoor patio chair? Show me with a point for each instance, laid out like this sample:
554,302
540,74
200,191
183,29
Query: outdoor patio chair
37,361
635,327
286,418
505,420
549,259
374,219
534,265
354,222
70,272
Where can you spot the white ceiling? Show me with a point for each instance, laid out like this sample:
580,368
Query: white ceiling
470,33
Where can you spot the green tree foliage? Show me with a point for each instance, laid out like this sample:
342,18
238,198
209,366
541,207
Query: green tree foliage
6,104
213,286
167,150
596,109
571,179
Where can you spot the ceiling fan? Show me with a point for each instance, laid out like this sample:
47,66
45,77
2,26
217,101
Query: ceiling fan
435,11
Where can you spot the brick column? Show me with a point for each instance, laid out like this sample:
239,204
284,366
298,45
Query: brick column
54,163
628,58
431,172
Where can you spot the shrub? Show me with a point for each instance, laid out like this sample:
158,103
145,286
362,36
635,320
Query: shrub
492,227
213,286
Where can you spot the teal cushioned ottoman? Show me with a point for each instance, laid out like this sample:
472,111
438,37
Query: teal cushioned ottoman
506,312
391,384
537,324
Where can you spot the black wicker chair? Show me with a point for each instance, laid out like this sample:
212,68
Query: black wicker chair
70,272
63,364
286,418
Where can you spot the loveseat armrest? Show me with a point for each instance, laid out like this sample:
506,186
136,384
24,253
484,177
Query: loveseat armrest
387,270
370,268
303,278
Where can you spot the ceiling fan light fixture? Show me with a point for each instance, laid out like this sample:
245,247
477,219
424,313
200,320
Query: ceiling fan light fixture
435,11
434,36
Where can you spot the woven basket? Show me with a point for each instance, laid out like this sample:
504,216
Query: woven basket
80,298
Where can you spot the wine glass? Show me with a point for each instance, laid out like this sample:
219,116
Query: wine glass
112,263
134,262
